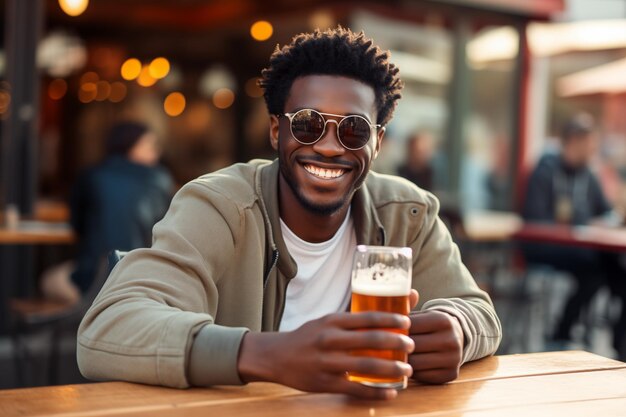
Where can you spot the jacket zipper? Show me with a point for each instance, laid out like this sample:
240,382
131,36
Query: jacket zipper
267,278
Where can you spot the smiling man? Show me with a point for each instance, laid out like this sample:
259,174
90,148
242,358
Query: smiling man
248,277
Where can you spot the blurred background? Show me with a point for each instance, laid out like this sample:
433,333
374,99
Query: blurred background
488,85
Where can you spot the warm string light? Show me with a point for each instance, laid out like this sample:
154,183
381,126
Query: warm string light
261,30
159,68
146,75
92,88
174,104
73,7
145,79
223,98
131,68
57,89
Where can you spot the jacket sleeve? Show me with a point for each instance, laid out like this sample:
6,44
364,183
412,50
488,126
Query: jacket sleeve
445,284
141,326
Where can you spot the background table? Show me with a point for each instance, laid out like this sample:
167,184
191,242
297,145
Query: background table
593,237
539,384
491,226
30,232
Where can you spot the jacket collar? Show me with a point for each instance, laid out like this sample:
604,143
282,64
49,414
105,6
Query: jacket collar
368,228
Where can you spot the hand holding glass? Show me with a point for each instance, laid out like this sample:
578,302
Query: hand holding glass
381,281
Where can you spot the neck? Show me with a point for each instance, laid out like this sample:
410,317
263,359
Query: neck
307,225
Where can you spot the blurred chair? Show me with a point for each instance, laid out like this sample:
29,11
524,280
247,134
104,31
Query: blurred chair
36,316
519,294
528,297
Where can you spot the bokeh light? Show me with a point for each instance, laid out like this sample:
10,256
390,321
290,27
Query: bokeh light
87,92
5,101
89,77
103,89
159,68
131,68
174,104
261,30
198,117
145,79
118,92
223,98
57,89
74,7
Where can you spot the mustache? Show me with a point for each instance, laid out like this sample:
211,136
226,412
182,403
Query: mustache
331,161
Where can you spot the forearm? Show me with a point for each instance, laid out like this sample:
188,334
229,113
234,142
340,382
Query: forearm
255,345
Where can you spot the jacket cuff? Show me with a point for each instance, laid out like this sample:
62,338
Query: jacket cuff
213,356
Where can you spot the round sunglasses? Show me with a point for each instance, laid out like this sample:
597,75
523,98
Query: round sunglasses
308,126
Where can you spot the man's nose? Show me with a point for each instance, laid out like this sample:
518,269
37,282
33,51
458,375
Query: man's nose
329,144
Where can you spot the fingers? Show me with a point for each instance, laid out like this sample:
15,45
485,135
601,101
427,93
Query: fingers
429,322
384,368
367,339
413,299
436,342
338,383
438,347
434,361
369,319
437,376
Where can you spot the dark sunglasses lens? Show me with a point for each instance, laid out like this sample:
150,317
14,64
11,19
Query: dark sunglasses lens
354,132
307,126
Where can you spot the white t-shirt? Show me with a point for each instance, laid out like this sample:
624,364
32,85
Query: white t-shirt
322,284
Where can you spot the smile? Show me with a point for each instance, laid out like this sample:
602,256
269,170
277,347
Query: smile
324,173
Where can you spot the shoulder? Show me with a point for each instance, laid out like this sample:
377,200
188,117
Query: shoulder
389,189
404,209
235,183
548,163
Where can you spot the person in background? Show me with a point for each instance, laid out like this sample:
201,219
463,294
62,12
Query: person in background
563,189
422,166
115,204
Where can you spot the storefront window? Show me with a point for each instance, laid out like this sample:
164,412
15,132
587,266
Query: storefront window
415,142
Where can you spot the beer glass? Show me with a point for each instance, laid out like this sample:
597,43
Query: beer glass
381,281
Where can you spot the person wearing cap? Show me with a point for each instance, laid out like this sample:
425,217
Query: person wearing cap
564,190
115,204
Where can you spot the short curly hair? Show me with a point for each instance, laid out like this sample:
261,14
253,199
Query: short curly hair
336,51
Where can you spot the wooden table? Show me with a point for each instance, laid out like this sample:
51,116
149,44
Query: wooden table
593,237
30,232
540,384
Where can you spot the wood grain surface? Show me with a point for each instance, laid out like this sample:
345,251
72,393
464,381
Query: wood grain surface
551,383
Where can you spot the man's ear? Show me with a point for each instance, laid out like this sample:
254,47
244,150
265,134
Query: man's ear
274,129
379,141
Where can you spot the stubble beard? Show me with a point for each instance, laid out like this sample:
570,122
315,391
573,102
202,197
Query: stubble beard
306,203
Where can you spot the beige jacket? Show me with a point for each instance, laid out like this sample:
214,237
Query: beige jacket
175,314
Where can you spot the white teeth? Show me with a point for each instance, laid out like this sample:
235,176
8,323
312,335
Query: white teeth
323,172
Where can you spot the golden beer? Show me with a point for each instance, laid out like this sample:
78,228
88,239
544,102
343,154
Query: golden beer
381,281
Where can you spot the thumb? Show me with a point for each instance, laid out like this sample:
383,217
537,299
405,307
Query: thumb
413,299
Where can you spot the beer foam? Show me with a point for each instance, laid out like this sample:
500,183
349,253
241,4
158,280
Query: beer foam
380,279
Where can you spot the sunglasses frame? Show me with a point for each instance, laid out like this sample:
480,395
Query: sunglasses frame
290,116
